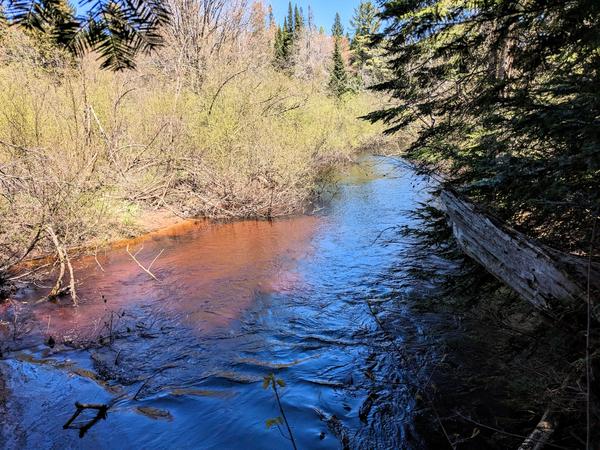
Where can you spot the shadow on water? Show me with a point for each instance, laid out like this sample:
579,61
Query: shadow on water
181,361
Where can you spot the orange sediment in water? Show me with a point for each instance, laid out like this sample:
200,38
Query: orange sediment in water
208,273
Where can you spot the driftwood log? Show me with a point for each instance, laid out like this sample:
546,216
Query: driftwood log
550,280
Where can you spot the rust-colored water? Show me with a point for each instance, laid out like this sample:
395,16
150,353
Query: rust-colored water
234,303
208,273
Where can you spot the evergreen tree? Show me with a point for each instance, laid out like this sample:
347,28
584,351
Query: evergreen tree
337,30
289,20
283,46
507,95
280,56
367,58
338,80
286,38
365,21
298,21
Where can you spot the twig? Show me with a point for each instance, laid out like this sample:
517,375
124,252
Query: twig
147,270
212,104
96,259
273,381
154,260
159,371
102,413
29,249
29,272
382,232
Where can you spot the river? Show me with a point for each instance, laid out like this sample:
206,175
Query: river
320,300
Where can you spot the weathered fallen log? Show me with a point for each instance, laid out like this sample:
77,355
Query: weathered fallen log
550,280
541,434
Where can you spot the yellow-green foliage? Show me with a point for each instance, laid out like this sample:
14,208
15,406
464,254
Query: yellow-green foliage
79,146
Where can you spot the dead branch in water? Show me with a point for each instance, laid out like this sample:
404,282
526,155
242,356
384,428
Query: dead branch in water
535,441
59,280
65,263
96,259
147,270
28,273
102,414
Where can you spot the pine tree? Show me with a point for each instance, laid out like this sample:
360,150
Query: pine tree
338,80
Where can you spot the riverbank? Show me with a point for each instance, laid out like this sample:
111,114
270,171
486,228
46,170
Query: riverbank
371,355
86,154
502,365
234,303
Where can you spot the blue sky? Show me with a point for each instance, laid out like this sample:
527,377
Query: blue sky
324,10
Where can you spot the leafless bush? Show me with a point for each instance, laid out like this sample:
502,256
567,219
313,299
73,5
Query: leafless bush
205,127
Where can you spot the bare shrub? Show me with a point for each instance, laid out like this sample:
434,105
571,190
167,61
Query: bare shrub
205,127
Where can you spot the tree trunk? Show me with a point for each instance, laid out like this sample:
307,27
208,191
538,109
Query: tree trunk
550,280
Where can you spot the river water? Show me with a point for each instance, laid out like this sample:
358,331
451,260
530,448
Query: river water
320,301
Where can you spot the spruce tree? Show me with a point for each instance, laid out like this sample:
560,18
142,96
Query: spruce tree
507,97
286,38
337,30
365,21
289,20
280,57
338,80
367,58
288,42
298,21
